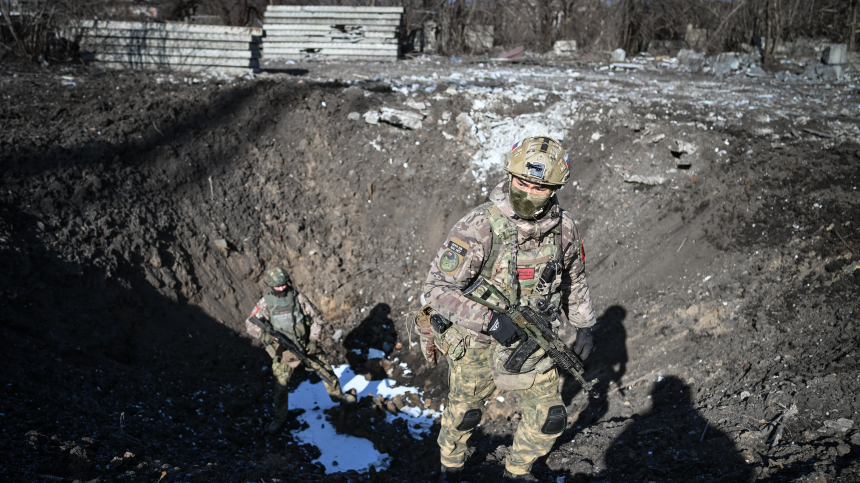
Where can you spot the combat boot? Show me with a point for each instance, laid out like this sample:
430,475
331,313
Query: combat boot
448,474
344,398
526,478
275,426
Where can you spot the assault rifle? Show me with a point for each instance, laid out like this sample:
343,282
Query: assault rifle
537,324
288,344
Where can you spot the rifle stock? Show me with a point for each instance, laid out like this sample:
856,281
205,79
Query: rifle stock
287,344
537,324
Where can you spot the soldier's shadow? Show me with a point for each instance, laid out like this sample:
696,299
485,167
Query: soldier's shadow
672,438
607,363
374,337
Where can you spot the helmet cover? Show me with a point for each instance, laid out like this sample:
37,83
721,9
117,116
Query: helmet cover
276,277
539,159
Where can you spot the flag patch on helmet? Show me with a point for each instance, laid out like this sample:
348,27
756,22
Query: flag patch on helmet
515,145
566,160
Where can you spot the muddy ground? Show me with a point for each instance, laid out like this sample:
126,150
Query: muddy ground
138,212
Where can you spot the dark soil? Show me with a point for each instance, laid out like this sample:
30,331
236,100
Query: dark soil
727,293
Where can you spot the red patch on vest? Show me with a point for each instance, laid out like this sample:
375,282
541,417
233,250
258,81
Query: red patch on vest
255,311
525,273
582,251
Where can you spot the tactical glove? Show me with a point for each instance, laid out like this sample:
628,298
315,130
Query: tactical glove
584,343
312,347
504,330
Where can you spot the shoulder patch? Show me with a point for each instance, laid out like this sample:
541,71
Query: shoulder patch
254,312
453,255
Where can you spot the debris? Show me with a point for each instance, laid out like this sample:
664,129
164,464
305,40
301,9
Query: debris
829,73
786,76
646,180
707,423
756,71
726,62
406,119
681,148
834,54
564,47
690,61
745,395
682,245
618,55
417,105
657,138
621,65
843,240
817,133
221,243
353,116
779,422
337,335
515,53
841,424
371,117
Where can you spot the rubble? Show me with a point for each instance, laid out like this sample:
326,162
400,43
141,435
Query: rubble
618,55
834,54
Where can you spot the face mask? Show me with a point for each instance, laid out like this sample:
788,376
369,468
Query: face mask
528,205
280,293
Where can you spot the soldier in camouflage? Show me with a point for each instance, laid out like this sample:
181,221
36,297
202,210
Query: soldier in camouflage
290,312
509,242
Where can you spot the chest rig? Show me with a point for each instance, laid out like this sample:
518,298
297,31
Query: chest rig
515,269
286,315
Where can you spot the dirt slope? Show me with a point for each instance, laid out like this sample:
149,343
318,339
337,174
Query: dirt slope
726,287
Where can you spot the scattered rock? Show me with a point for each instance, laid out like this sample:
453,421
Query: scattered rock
400,118
564,47
841,424
829,73
371,117
756,71
646,180
353,116
690,61
618,55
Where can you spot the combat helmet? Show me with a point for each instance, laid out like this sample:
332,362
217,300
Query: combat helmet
276,277
539,159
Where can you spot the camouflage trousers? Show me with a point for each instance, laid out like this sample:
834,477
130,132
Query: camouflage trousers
282,372
471,384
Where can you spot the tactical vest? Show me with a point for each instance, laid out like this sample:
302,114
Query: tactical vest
515,270
286,315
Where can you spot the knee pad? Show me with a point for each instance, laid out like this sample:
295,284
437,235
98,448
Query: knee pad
470,420
556,420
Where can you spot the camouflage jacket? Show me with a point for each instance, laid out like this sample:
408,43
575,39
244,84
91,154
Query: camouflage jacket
443,288
261,312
